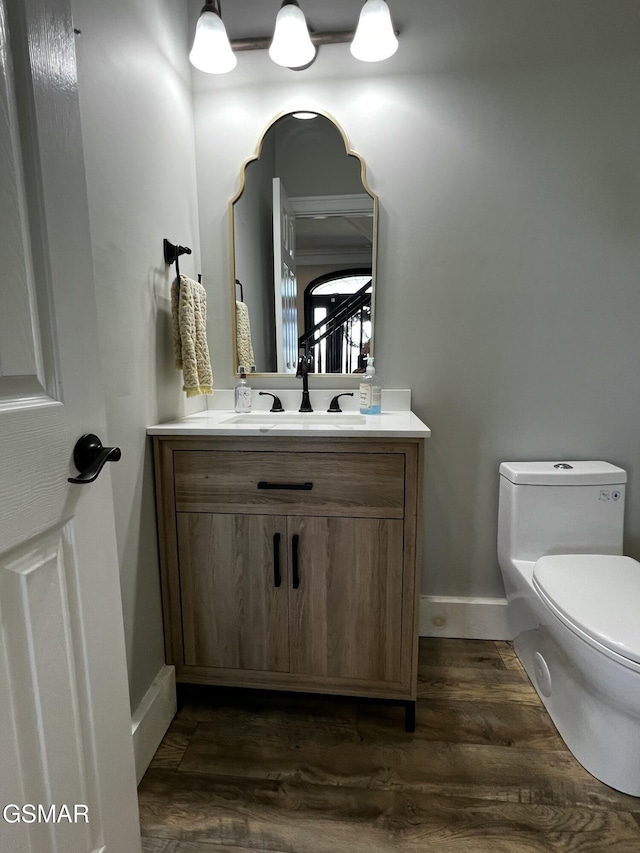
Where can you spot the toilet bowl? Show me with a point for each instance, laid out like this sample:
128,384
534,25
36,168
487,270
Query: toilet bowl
573,604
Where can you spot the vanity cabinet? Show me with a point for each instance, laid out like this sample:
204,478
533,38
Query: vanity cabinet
291,563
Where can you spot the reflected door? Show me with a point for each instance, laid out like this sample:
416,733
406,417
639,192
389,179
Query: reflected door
284,279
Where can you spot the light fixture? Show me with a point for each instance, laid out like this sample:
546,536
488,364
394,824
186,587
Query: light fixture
211,51
375,39
292,45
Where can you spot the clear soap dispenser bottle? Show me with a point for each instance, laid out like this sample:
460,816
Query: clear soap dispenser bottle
242,392
370,391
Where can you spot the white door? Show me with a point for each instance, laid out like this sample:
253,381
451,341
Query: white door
284,279
65,724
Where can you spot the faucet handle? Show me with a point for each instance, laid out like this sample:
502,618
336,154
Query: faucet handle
305,363
276,405
334,406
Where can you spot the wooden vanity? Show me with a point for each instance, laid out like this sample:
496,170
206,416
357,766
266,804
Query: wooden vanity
290,563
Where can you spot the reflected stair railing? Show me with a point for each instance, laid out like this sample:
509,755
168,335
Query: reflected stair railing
334,329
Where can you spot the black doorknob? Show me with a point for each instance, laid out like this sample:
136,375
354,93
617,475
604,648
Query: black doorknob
89,457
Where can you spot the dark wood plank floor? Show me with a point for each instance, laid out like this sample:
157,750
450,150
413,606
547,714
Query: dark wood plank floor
484,772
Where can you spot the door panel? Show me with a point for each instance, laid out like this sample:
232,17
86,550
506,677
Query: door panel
20,351
346,615
39,640
23,386
234,615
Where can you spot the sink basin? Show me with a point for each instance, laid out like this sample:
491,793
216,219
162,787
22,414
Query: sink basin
297,418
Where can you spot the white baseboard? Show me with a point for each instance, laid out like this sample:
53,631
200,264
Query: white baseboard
152,718
465,618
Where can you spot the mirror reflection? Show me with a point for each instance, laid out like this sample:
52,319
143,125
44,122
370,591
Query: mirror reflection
303,229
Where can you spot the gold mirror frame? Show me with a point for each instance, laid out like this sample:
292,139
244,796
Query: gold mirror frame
232,259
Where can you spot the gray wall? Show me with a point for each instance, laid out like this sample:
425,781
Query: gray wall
134,81
503,141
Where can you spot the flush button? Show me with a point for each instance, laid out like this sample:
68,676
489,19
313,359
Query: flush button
564,465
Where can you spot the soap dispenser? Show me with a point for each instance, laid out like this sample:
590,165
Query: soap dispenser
370,391
242,393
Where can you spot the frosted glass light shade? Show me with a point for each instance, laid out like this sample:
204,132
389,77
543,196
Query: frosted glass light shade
211,51
375,39
291,46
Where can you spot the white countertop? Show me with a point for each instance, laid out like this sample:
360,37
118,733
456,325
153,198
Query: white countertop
399,424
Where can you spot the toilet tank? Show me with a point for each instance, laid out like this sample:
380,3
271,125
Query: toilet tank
560,508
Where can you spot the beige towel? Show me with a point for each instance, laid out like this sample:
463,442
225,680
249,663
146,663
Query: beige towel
243,337
189,321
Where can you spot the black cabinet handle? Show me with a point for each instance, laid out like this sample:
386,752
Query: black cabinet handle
301,487
90,457
294,561
277,577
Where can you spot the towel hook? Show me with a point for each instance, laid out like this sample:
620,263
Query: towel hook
239,284
172,253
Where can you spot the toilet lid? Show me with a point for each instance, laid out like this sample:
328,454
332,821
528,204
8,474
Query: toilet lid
598,594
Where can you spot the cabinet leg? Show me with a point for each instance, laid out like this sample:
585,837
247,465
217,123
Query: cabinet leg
410,716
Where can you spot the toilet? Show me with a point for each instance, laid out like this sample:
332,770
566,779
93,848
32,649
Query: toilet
574,607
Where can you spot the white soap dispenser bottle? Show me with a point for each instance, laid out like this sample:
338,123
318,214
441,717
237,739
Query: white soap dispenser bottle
242,393
370,391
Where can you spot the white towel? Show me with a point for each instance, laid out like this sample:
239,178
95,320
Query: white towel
243,337
189,322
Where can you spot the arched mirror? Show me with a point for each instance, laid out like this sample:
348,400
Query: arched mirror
303,250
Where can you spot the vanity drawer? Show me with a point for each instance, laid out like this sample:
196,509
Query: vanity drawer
293,483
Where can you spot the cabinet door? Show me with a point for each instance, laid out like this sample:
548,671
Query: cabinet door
346,597
234,605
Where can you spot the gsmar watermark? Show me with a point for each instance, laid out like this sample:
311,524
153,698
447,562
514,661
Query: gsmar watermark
32,813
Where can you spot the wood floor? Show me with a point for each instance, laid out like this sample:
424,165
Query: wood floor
484,772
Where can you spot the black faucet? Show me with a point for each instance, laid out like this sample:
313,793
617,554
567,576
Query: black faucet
305,363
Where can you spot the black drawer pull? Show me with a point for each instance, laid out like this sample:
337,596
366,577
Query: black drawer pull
294,561
293,487
277,577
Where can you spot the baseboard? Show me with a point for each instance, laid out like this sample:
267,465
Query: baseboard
152,718
466,618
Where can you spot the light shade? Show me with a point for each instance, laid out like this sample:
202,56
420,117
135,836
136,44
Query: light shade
211,51
375,39
291,46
